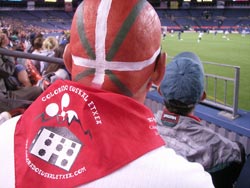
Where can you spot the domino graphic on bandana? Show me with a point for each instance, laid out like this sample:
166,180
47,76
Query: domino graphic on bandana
58,146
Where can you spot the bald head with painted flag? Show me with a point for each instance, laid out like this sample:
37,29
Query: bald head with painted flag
116,46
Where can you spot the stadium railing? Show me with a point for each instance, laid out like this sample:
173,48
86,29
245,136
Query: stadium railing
30,56
230,109
235,129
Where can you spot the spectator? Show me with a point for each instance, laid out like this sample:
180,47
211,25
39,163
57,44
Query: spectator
7,33
49,46
19,77
182,88
31,40
57,71
19,97
21,72
37,50
98,120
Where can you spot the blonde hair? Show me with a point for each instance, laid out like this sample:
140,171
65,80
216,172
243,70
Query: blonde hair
3,38
50,43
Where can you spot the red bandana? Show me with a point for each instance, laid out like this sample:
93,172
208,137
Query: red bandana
72,135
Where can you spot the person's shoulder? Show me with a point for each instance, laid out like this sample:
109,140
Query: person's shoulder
177,167
172,167
10,124
36,52
161,167
7,130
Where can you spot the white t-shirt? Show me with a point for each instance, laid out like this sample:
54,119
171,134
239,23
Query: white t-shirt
159,168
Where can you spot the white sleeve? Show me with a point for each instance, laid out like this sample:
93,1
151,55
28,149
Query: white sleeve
188,174
161,168
7,173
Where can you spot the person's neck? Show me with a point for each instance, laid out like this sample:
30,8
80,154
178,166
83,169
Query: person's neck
190,115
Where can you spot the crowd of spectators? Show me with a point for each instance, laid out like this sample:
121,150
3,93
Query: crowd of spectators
39,41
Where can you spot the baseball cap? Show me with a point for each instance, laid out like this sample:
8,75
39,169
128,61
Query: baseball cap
183,80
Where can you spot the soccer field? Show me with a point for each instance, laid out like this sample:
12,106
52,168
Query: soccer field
234,51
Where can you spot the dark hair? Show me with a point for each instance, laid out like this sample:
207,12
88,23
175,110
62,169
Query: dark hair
38,42
52,67
59,50
178,107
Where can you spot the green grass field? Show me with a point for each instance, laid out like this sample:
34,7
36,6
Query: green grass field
216,49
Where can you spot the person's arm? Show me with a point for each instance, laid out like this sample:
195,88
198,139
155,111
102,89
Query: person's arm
7,66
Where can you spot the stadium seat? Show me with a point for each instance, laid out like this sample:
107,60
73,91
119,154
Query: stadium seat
227,177
244,180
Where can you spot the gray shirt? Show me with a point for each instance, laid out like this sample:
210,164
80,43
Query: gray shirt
189,138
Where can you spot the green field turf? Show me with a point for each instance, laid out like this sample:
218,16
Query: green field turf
216,49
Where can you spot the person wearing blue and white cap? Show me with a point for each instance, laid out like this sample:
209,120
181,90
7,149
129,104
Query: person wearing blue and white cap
182,88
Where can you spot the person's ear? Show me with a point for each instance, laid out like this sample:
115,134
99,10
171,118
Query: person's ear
67,58
204,96
159,69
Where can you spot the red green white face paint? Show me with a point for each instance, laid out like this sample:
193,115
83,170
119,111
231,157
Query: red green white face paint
101,65
110,40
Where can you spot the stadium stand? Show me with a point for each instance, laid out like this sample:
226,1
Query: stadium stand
204,18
